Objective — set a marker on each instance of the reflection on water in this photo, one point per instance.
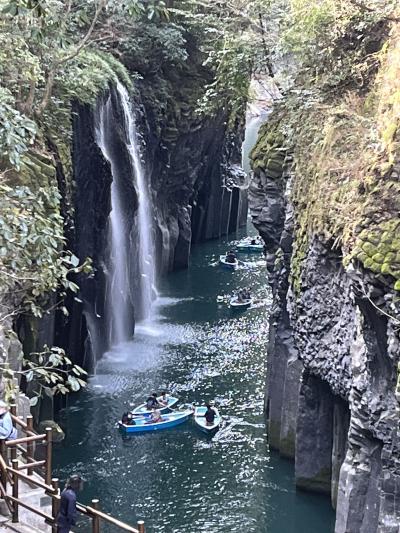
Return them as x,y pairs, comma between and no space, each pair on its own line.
181,481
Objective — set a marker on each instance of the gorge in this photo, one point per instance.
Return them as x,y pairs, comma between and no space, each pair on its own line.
123,177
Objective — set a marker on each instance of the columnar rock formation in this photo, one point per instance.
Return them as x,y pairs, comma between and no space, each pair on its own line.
198,192
333,353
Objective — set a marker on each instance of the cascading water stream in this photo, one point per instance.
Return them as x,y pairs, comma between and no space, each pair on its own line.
120,293
146,245
120,321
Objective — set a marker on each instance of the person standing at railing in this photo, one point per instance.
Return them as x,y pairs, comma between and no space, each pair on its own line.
66,517
7,430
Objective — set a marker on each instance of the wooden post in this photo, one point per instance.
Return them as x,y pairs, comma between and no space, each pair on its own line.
55,504
3,453
140,526
15,517
48,456
29,445
3,450
13,453
13,409
95,519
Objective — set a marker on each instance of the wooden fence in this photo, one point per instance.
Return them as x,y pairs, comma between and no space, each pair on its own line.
39,474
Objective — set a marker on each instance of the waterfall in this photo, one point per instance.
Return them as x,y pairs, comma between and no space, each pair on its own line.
146,245
119,319
124,290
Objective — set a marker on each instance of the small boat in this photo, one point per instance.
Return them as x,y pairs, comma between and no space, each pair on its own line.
142,409
169,420
247,247
226,264
200,420
237,304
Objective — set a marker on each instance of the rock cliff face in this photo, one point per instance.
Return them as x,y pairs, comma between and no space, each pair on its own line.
332,360
332,370
197,192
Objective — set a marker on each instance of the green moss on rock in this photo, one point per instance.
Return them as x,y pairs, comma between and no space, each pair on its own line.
383,255
378,258
269,153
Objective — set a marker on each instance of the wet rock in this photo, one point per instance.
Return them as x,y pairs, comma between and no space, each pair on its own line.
57,434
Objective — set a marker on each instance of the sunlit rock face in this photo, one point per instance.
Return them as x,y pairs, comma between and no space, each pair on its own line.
332,360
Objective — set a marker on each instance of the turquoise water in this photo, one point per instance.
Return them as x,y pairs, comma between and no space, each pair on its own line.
181,481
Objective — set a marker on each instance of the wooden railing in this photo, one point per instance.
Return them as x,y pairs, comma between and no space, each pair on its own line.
11,475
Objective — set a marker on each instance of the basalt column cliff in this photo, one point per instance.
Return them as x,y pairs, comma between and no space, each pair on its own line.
325,198
191,168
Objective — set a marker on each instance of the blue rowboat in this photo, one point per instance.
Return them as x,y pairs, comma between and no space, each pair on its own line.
169,420
226,264
142,409
200,420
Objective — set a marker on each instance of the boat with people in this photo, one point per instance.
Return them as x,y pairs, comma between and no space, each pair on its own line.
239,304
140,424
201,422
227,261
144,410
250,245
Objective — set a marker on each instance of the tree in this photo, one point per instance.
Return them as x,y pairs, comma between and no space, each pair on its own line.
51,371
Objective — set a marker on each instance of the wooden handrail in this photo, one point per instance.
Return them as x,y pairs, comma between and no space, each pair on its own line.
14,473
23,440
34,464
19,422
31,479
107,518
47,517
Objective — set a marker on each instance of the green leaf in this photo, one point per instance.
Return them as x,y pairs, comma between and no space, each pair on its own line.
33,401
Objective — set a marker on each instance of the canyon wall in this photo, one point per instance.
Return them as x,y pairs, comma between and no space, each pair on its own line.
334,348
197,190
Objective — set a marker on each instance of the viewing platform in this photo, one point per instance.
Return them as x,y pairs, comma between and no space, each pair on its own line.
30,496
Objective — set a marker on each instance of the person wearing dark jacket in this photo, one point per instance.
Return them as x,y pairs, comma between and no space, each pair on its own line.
152,402
210,415
66,517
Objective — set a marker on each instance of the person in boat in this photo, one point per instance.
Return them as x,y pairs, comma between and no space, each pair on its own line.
66,517
164,399
128,419
240,296
7,430
253,242
155,417
230,257
210,415
152,402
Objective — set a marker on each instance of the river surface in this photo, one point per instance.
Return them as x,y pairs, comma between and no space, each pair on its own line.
179,480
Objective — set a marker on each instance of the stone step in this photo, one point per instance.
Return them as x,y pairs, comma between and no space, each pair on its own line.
18,528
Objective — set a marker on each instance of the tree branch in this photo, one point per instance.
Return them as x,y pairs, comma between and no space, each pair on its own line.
53,70
367,9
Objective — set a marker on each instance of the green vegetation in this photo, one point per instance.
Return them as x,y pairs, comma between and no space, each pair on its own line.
340,119
51,372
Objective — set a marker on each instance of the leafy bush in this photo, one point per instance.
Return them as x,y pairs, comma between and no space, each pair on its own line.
17,132
32,261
